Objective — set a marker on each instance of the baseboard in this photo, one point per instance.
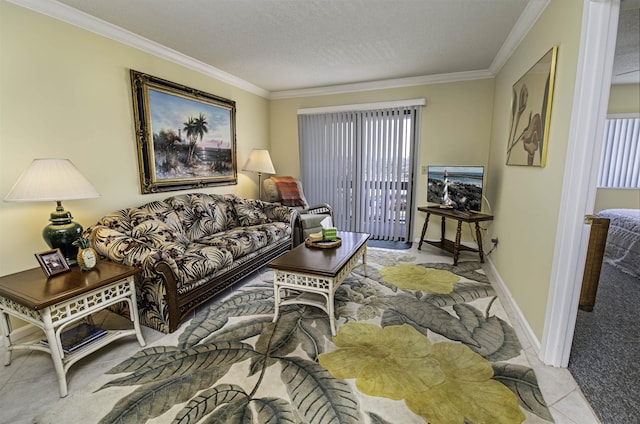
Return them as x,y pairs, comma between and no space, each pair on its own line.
20,332
505,295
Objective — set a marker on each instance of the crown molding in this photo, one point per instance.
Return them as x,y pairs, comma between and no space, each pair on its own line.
72,16
381,85
523,25
64,13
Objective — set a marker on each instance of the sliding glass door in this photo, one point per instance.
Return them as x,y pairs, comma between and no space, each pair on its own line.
362,164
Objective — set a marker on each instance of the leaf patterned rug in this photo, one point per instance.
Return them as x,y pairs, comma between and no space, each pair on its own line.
417,342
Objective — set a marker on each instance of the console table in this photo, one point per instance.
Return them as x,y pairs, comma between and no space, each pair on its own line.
58,302
453,246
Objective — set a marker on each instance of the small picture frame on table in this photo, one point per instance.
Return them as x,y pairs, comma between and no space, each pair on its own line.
52,262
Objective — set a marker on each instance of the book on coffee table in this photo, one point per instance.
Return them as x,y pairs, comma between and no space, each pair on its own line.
78,336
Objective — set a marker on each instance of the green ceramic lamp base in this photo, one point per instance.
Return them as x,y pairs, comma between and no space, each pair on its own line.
62,232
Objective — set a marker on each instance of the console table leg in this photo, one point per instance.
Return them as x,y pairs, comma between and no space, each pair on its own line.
479,238
424,230
456,245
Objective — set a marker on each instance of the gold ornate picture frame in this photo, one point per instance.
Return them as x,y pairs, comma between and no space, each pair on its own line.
186,138
531,112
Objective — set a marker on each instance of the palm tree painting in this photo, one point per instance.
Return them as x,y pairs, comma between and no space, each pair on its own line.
186,138
530,113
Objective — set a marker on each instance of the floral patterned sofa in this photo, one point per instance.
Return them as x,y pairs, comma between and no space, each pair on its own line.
190,248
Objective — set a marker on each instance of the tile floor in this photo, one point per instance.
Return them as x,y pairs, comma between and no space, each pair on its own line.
29,386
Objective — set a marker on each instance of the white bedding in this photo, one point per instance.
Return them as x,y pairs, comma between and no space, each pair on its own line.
623,241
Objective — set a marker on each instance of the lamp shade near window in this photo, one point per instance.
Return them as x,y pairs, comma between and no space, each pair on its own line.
55,180
259,161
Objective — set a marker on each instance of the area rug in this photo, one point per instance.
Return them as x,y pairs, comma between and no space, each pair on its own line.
417,342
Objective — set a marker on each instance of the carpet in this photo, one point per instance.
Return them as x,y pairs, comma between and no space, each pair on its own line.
418,341
606,347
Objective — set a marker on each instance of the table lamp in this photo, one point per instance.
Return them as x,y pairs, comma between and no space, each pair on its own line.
259,161
55,180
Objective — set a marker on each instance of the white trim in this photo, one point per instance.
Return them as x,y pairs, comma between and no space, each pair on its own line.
508,301
72,16
525,22
623,116
363,106
22,332
379,85
591,94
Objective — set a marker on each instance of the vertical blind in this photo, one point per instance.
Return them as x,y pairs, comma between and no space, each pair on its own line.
361,162
620,159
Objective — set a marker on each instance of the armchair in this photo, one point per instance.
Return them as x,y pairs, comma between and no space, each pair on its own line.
288,191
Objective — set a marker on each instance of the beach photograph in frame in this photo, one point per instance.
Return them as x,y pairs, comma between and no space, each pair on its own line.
531,112
186,138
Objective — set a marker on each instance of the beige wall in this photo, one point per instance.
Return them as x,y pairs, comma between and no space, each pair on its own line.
622,99
66,93
456,126
526,200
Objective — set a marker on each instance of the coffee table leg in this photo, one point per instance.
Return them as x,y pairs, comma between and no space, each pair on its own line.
276,295
5,325
364,260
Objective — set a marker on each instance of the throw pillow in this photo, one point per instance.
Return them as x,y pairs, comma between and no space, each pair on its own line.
289,191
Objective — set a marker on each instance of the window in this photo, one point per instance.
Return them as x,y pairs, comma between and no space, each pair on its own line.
620,160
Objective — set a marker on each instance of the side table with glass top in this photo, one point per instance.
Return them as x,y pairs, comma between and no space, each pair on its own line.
56,303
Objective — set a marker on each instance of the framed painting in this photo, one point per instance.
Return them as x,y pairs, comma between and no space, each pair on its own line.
186,138
531,112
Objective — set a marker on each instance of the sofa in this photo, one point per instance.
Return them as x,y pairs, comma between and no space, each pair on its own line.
190,248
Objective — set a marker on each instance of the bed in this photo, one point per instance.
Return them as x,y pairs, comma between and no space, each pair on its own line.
623,240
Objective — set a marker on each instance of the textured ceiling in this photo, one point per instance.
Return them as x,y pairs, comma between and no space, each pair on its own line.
626,67
294,44
281,45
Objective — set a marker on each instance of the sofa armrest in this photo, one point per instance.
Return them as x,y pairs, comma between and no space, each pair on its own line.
322,208
277,212
119,247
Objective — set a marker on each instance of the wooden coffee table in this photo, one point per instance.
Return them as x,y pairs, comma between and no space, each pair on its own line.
312,275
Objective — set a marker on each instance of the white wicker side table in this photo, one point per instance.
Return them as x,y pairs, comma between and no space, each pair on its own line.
58,302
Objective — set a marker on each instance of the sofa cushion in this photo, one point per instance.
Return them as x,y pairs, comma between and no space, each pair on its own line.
125,220
157,234
199,263
250,212
201,214
241,241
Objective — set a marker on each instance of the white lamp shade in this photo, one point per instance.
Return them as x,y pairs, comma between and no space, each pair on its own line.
51,180
259,161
